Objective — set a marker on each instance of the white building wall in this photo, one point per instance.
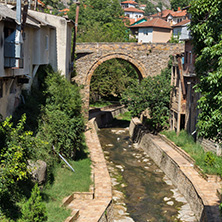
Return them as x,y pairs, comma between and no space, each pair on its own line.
62,38
1,48
134,15
145,35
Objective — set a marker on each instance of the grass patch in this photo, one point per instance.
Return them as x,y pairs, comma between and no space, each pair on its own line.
125,116
65,183
209,162
100,104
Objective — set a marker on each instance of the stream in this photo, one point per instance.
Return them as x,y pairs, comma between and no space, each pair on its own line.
141,191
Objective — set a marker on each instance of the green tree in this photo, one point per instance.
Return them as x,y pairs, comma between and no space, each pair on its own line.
110,79
206,31
34,210
16,147
100,21
62,123
150,9
152,93
179,3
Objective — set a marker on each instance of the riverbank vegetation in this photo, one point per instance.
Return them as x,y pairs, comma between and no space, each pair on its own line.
209,162
50,116
151,94
110,80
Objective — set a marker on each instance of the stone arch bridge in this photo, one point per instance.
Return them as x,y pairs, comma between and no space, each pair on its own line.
147,59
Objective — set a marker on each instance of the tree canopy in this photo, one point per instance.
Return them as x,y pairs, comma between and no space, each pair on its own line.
150,9
100,21
206,30
110,79
152,93
179,3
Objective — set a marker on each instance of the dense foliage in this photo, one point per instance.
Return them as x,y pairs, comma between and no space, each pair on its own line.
110,79
62,123
179,3
152,93
16,147
206,31
34,209
150,9
57,121
100,21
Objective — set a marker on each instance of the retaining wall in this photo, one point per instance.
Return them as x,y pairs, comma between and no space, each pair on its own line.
203,209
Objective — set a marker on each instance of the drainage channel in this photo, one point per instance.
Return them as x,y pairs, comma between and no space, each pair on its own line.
141,191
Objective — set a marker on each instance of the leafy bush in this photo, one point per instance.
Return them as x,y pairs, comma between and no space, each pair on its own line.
62,124
209,162
16,147
152,93
34,209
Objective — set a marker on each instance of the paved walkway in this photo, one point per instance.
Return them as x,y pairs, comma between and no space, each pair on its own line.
92,209
206,190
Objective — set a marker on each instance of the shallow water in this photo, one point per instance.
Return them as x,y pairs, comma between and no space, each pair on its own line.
141,190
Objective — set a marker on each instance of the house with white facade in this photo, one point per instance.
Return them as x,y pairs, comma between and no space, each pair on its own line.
45,39
177,28
129,4
133,13
173,17
155,30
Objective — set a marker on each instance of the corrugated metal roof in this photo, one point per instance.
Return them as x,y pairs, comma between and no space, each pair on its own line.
7,13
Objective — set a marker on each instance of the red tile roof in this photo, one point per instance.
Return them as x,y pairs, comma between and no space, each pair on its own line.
156,22
65,10
166,12
129,2
181,23
163,14
179,13
131,9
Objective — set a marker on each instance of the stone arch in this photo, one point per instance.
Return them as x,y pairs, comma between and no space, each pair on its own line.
139,67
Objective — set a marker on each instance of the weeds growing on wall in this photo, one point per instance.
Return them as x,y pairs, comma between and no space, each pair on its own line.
209,162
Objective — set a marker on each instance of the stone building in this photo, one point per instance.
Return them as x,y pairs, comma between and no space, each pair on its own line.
184,110
45,39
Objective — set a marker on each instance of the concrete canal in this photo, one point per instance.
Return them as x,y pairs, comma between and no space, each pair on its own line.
141,191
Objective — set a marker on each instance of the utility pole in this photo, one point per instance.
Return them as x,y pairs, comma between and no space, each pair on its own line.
75,31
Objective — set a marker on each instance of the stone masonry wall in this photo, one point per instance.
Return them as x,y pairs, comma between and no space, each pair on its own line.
147,59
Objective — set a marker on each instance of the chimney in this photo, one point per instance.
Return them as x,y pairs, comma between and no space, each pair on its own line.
179,9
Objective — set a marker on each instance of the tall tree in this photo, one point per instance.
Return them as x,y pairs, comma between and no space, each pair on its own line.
100,21
206,31
178,3
150,9
110,79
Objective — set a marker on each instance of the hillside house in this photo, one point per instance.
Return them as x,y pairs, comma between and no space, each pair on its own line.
177,28
152,31
46,40
133,13
129,4
173,17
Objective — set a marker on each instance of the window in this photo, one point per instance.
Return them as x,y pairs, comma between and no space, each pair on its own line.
186,57
1,88
46,42
190,57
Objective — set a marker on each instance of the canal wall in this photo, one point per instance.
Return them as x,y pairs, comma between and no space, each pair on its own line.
105,115
200,194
